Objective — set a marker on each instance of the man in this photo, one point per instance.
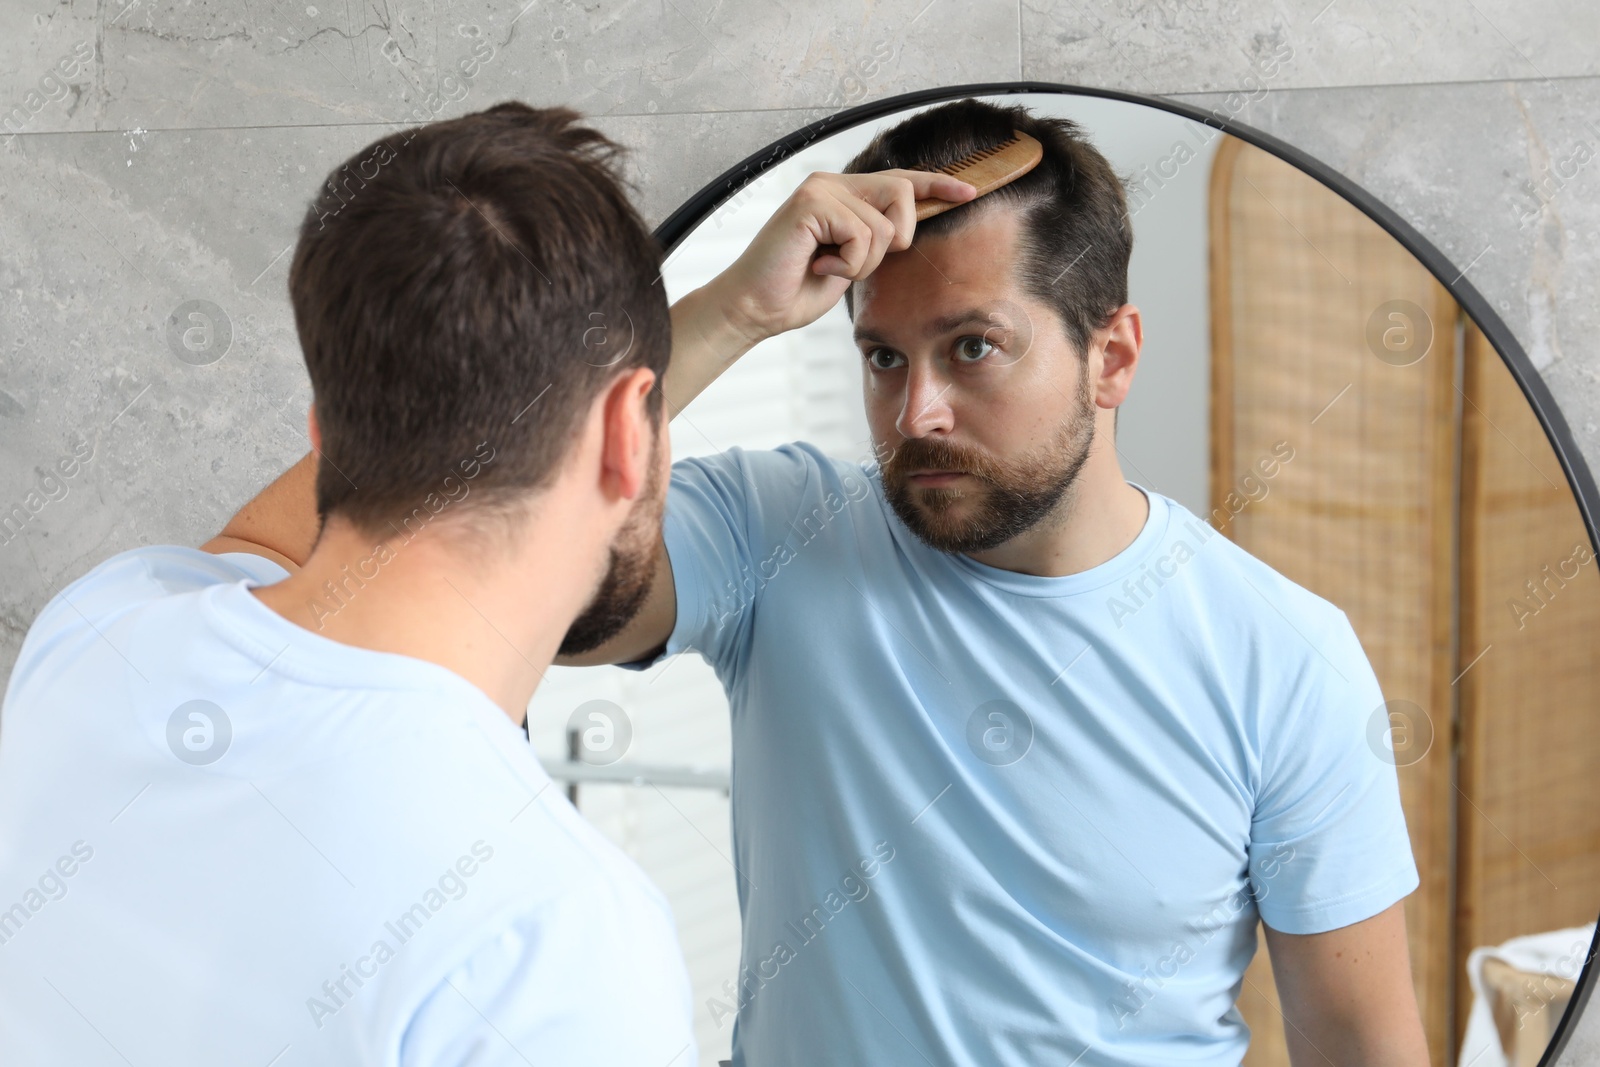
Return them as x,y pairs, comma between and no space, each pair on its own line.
983,814
249,816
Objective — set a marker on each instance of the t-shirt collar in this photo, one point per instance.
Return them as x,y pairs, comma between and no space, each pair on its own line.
1112,570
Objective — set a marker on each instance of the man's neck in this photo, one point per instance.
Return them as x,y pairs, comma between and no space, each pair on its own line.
1098,517
498,627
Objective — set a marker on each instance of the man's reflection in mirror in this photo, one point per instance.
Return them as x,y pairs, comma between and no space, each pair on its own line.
1022,750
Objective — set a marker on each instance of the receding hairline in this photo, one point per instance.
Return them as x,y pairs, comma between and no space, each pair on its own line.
961,218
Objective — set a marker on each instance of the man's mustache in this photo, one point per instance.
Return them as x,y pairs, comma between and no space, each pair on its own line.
928,454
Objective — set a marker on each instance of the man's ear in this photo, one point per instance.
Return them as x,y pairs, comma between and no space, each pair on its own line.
1124,337
629,434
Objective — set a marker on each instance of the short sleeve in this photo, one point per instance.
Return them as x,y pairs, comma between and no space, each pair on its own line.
1329,845
561,988
727,517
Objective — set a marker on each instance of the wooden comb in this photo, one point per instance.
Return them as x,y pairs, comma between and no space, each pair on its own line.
988,169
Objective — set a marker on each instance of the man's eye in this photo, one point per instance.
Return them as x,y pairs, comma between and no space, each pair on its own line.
874,354
974,348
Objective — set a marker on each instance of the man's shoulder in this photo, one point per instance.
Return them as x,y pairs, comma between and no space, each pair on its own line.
791,459
768,489
1236,584
136,577
150,571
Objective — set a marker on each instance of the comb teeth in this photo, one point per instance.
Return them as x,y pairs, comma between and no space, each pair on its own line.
987,169
980,154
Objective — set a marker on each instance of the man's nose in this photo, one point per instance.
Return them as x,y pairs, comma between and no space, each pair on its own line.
927,402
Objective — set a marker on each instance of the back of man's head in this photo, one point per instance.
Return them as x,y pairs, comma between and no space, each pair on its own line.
1076,234
463,289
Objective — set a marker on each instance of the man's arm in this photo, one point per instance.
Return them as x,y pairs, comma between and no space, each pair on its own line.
706,340
280,523
1346,994
647,631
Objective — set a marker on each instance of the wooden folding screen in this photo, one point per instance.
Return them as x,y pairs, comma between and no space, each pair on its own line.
1528,842
1425,500
1363,514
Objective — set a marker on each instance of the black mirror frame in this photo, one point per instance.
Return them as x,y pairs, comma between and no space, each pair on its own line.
1580,480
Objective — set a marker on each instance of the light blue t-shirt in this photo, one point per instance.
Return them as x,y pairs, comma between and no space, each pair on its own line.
226,839
983,817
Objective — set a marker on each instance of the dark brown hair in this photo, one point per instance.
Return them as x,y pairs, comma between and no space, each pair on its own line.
1076,234
466,288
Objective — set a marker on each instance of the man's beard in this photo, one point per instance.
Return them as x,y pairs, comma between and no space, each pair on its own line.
628,576
1010,498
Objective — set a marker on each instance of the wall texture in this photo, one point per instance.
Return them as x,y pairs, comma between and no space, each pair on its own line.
163,152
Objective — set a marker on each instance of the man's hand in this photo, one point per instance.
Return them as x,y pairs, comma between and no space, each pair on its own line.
781,283
833,230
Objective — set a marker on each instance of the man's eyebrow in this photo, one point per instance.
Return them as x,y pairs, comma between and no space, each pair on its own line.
941,325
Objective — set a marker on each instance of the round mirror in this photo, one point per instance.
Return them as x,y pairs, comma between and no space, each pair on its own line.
1317,391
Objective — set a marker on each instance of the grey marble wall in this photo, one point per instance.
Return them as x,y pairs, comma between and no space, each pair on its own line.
157,153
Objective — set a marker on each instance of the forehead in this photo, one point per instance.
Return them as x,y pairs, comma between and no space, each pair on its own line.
971,264
933,285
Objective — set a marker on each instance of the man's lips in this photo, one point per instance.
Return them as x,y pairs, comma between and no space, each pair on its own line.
935,477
